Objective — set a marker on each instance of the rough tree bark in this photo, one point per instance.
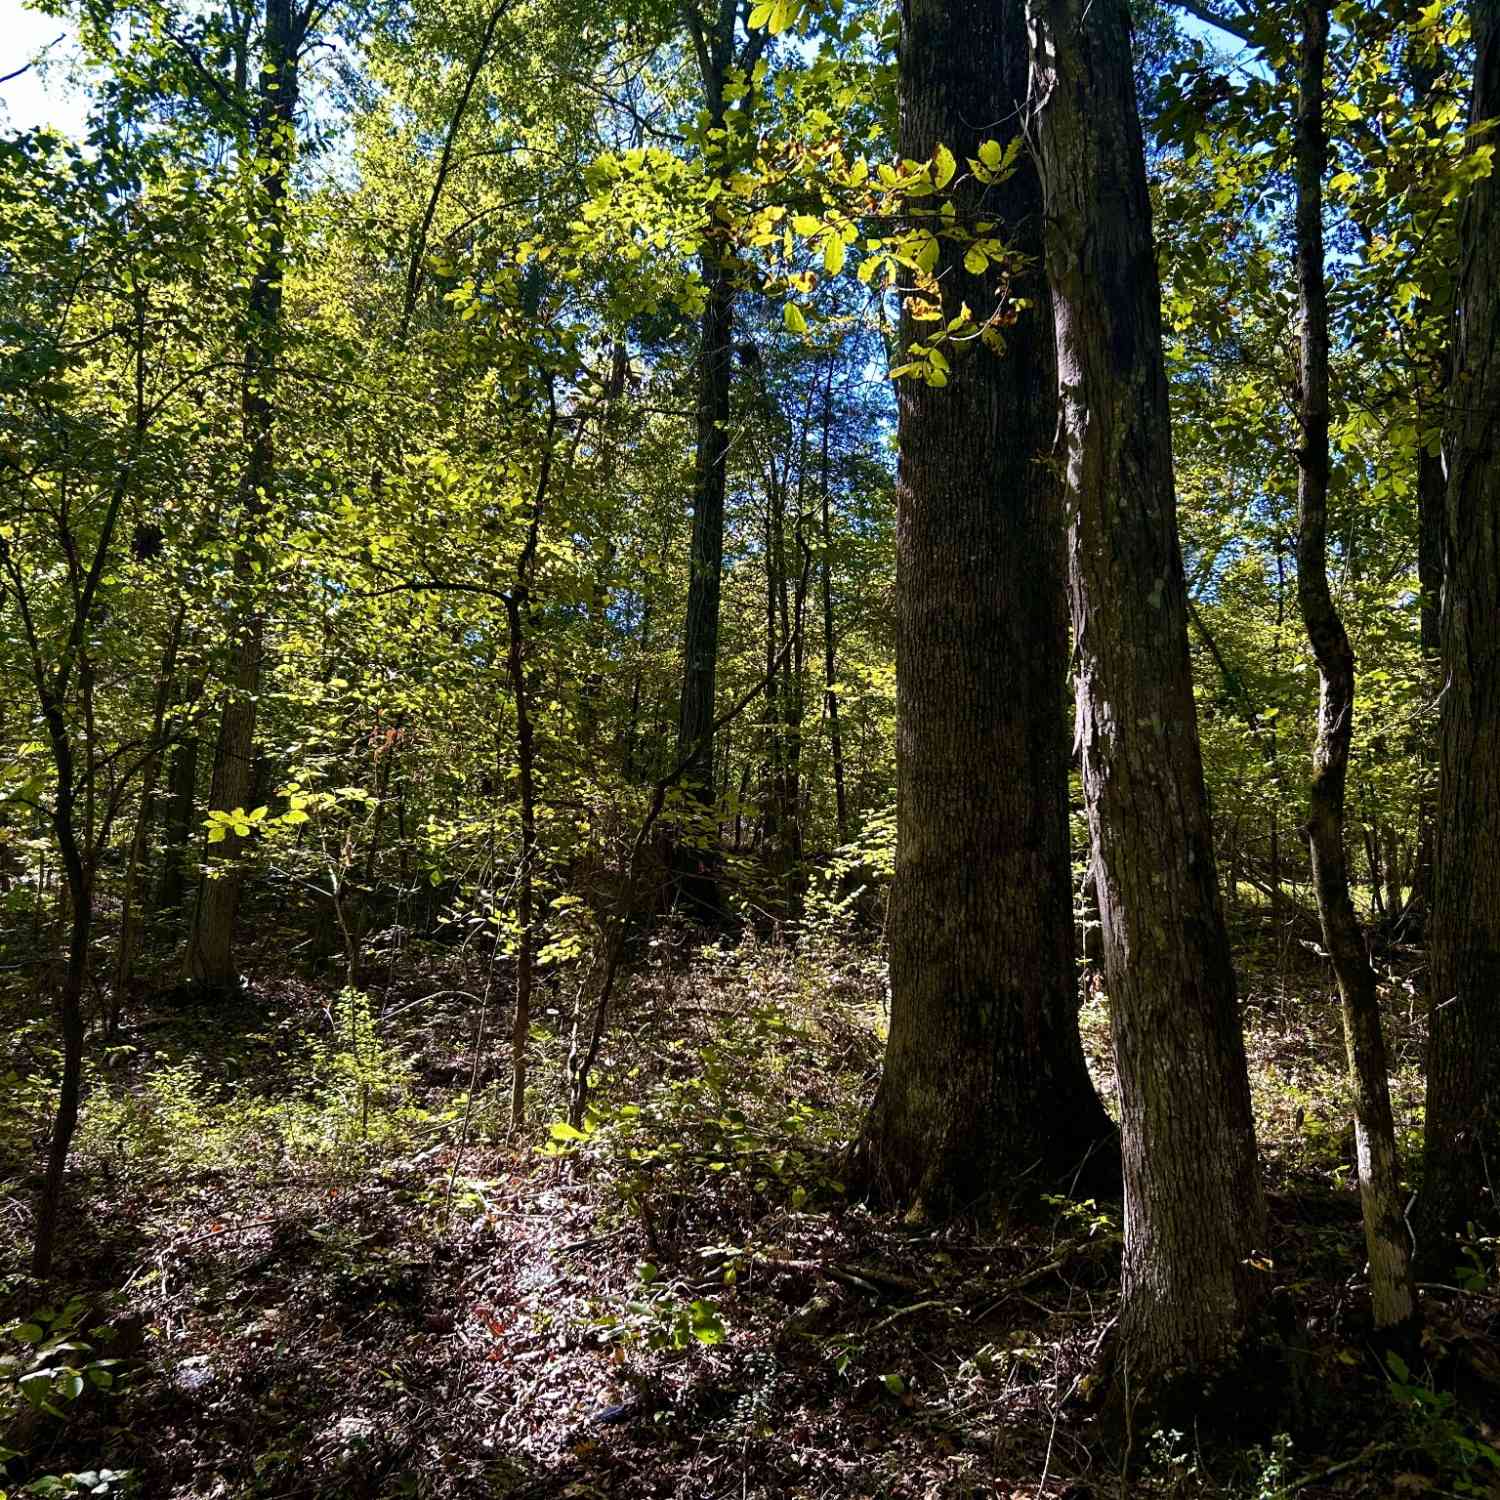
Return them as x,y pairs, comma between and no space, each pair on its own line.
985,1082
210,948
1194,1212
1462,1148
1387,1242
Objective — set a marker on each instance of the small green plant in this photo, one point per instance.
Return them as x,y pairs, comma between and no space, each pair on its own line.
1273,1469
1437,1428
45,1369
659,1319
1084,1218
1170,1458
1481,1256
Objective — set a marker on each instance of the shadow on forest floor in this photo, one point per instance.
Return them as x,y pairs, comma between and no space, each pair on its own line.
316,1292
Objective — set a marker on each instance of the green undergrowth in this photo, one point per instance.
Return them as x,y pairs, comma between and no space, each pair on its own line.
320,1210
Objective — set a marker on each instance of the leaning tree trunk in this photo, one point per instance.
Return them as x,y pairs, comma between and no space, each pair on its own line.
210,949
1387,1243
1194,1212
1462,1151
985,1082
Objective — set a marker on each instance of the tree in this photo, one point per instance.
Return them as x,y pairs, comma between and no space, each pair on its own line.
1462,1145
1386,1239
985,1081
210,946
712,26
1193,1207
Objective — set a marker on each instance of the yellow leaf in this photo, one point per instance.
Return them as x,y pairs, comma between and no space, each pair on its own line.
944,166
807,223
794,318
833,255
990,154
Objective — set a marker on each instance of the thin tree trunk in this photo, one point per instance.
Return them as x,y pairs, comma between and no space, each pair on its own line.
1372,860
182,780
1392,1292
985,1084
1462,1148
1392,861
1422,73
830,641
129,919
697,883
1194,1214
210,949
1275,744
70,1007
516,604
711,24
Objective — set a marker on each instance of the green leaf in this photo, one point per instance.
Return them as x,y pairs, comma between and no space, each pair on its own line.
806,223
706,1325
794,318
562,1131
975,260
990,154
944,166
834,253
28,1333
894,1384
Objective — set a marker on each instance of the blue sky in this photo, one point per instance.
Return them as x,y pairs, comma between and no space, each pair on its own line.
35,98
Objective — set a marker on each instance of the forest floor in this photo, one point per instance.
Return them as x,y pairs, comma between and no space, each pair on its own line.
324,1268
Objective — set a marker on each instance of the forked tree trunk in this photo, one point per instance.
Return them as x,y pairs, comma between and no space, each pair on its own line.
1462,1149
210,949
985,1083
1387,1244
1194,1213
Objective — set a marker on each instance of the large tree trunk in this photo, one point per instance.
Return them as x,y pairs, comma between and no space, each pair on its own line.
1194,1213
1462,1155
210,949
985,1081
1387,1243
